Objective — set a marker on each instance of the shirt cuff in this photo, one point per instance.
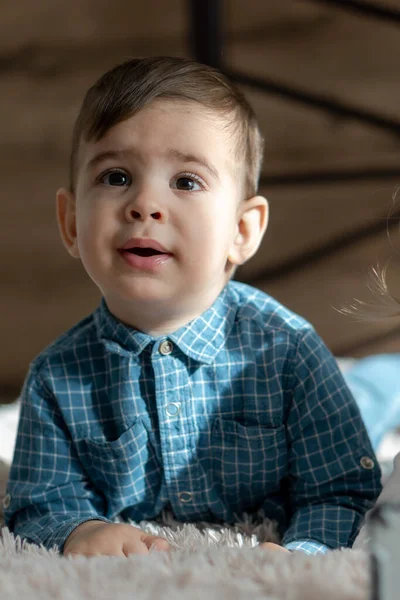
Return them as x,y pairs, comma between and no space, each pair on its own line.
307,546
59,537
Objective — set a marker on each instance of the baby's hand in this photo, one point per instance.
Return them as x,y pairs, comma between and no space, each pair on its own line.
271,546
94,538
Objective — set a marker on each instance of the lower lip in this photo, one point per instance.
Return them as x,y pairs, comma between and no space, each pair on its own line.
145,263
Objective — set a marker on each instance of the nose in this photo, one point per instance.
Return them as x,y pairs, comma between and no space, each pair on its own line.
141,216
144,207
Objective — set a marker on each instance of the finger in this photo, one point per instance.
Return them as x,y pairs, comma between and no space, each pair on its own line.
273,547
71,554
89,550
159,544
135,547
91,554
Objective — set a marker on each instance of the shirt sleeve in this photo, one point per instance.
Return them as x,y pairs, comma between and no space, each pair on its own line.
48,492
334,477
308,547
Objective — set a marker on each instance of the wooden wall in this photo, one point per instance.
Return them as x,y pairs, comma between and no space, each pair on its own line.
50,52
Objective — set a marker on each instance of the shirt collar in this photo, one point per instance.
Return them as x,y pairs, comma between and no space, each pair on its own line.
201,339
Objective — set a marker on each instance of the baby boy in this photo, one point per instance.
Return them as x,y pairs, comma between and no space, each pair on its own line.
184,390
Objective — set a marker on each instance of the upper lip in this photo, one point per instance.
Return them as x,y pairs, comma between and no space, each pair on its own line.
144,243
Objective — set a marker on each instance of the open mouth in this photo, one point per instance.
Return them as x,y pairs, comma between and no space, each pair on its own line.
144,252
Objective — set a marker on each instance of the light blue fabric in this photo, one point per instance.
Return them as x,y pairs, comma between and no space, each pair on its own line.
308,547
243,410
375,384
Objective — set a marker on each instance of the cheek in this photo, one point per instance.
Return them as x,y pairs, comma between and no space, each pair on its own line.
216,216
91,235
211,237
93,220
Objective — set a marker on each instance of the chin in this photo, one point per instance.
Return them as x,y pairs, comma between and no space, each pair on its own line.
144,292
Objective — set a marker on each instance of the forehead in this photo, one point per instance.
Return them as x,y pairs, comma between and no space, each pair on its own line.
185,126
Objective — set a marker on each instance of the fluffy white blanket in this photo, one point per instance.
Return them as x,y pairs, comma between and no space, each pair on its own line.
204,565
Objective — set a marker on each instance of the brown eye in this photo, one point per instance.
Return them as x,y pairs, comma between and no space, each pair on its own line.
185,183
188,183
116,178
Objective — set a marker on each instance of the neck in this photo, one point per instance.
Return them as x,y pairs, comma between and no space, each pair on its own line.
154,318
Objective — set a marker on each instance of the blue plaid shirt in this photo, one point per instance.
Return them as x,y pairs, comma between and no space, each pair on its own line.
243,410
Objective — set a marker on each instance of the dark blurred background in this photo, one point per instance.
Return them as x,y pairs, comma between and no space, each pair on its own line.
324,80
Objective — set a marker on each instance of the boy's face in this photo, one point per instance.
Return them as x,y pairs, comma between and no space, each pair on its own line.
157,218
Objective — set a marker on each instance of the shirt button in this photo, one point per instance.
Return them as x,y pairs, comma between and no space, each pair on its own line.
185,497
6,501
165,347
367,463
173,409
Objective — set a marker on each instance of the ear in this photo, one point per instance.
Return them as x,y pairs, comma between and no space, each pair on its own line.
66,218
251,225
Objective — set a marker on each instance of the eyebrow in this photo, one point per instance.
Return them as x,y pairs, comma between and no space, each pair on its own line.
192,158
119,154
107,154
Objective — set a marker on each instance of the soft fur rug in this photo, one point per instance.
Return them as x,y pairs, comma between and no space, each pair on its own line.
206,564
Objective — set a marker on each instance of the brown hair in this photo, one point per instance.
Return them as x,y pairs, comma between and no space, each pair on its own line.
132,85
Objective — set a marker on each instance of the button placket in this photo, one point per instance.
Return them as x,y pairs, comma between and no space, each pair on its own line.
174,429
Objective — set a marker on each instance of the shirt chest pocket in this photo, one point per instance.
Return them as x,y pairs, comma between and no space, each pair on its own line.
249,462
121,468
